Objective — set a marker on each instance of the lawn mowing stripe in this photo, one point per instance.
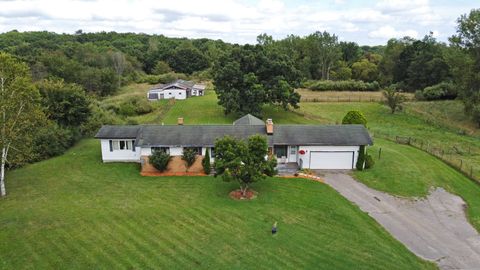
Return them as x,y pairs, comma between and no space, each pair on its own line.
148,228
143,239
171,246
102,247
131,241
109,250
45,249
183,245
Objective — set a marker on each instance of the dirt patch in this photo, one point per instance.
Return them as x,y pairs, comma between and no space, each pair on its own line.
237,195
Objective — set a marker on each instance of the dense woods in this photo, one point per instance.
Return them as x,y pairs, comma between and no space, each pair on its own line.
72,72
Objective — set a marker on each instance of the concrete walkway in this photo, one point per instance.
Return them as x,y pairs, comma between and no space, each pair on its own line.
434,228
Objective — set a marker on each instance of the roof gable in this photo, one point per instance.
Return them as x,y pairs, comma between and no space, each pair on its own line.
248,119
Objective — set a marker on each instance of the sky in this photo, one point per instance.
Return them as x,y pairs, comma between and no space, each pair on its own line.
367,22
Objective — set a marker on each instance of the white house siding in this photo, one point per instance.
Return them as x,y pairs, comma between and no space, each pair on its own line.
174,93
340,160
176,151
119,155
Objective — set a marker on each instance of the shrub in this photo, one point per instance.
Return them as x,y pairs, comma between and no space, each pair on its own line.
354,117
443,90
99,116
126,109
160,160
162,78
361,158
349,85
134,106
161,67
369,162
206,162
52,140
189,156
394,98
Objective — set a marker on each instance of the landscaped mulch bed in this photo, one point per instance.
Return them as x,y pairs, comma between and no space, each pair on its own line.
237,195
172,174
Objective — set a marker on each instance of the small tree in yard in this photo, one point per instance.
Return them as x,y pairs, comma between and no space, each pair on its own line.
160,160
354,117
243,161
206,162
393,99
189,156
361,158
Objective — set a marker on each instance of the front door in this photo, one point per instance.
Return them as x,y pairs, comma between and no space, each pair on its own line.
292,151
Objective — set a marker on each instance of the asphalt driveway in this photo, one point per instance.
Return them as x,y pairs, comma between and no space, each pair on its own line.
434,228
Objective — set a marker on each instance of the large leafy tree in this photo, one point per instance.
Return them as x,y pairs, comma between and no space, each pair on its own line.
19,113
187,59
243,161
65,103
324,52
250,76
421,64
467,71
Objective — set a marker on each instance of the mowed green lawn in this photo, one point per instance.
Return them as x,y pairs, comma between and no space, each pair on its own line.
75,212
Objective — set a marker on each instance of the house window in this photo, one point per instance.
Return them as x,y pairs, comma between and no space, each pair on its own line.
280,151
212,152
161,149
198,150
152,96
293,150
122,144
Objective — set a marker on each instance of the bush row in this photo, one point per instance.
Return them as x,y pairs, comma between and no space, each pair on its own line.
349,85
443,90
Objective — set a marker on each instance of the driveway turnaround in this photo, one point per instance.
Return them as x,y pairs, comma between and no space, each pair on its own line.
434,228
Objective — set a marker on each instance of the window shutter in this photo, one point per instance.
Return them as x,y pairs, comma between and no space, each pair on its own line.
133,145
111,145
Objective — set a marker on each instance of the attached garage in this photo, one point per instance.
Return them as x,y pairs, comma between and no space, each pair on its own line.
332,160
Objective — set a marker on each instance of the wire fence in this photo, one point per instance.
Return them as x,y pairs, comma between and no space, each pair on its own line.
343,99
455,156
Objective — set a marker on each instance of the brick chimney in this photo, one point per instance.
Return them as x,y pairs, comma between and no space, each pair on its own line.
180,121
269,126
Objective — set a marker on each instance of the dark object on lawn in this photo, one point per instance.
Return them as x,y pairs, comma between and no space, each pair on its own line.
274,228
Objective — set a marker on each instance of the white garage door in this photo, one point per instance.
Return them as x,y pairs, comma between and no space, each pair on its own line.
331,160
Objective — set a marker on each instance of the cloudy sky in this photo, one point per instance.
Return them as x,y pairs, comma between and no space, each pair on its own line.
367,22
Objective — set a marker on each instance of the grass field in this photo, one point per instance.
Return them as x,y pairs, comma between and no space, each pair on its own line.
343,96
75,212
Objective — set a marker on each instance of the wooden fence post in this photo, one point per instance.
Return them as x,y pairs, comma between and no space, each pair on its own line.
379,153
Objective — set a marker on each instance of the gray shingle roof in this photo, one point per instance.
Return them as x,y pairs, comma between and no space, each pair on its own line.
344,135
248,120
178,83
118,132
205,135
194,135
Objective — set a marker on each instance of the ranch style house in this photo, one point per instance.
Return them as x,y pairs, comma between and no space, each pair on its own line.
306,146
179,89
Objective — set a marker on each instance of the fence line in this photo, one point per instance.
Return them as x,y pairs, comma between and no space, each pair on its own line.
343,99
444,154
